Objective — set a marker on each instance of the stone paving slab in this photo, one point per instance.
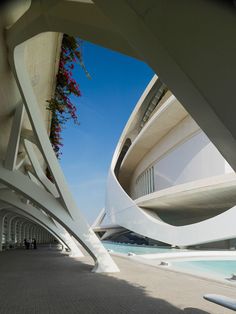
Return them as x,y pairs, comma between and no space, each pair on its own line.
47,282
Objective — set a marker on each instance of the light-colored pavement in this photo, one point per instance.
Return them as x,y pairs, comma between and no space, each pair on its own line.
47,282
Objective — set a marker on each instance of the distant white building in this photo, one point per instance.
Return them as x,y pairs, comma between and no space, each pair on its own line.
167,181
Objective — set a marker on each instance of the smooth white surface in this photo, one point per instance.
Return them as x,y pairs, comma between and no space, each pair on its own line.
213,194
221,300
183,161
205,87
58,201
185,154
12,199
192,160
196,63
124,212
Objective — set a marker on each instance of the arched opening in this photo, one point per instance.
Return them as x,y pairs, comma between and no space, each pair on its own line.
123,152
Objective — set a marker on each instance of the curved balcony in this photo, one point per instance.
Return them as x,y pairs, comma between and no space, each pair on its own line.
165,119
210,197
126,213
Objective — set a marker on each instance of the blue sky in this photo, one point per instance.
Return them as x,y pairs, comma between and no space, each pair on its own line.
105,105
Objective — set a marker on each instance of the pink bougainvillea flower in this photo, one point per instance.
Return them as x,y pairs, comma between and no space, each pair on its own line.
60,105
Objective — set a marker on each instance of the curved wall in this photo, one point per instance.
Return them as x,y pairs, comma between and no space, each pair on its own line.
123,211
182,155
41,58
185,154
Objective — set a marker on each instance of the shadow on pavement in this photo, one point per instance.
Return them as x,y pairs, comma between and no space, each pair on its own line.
44,281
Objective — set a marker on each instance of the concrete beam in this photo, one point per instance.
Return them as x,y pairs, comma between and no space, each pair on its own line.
13,144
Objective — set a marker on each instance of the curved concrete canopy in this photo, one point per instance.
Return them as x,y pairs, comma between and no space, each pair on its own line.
124,212
76,18
35,215
168,116
201,86
47,16
213,194
39,224
19,226
193,54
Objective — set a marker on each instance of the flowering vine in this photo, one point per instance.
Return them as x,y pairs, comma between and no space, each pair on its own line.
60,105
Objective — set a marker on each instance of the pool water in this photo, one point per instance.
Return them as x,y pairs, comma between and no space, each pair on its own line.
216,269
137,249
221,269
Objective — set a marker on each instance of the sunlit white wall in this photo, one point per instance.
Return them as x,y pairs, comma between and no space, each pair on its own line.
185,154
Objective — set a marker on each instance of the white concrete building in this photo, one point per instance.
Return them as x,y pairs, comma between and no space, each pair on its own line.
192,47
167,181
196,61
29,201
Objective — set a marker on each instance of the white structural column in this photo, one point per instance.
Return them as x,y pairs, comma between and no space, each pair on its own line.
27,233
11,225
20,232
99,218
9,228
62,209
1,229
197,64
4,214
12,149
49,224
27,222
14,223
48,201
24,230
67,238
13,213
49,186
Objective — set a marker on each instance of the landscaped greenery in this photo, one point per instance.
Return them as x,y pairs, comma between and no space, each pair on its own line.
60,105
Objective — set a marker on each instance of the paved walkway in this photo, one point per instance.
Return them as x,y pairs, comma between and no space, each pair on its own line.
45,281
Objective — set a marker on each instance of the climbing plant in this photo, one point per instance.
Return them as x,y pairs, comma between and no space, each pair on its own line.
60,105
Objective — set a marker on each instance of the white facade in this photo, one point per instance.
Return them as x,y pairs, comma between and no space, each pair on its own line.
30,52
188,156
197,65
167,181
